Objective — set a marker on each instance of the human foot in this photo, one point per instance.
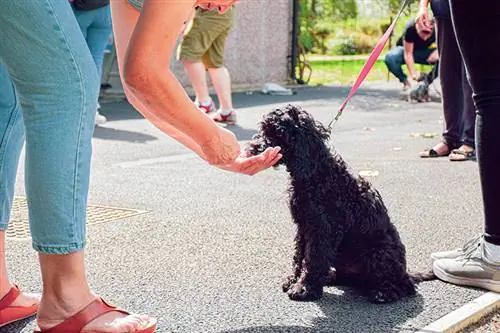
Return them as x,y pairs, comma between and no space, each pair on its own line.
97,317
439,150
15,305
23,299
464,153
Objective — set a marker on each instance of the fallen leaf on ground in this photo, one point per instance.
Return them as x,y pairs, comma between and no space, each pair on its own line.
424,135
369,173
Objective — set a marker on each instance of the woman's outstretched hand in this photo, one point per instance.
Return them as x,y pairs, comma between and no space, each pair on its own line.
250,165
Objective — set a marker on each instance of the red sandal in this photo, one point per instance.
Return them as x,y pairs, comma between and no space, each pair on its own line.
9,313
95,309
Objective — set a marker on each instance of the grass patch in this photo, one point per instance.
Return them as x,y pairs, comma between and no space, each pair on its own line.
331,70
326,71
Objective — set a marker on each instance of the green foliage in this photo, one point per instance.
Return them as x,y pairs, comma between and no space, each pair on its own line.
333,26
350,44
317,19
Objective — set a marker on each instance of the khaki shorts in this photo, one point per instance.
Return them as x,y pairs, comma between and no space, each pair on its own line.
204,41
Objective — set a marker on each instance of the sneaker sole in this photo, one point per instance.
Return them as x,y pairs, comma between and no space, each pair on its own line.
438,258
462,281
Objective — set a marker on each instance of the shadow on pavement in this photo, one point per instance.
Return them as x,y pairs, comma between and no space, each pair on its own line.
243,100
108,133
122,110
349,313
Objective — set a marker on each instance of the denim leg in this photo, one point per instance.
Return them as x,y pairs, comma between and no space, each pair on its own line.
54,75
11,144
451,83
96,28
469,112
394,61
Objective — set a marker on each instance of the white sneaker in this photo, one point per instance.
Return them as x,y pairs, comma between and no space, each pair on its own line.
452,254
470,269
99,118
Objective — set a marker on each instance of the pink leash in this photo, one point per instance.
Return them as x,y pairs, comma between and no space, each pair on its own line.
369,63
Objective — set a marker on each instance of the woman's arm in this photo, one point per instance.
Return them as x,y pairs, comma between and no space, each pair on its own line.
144,46
145,43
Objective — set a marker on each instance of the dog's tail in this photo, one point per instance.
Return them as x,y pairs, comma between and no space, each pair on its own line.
418,277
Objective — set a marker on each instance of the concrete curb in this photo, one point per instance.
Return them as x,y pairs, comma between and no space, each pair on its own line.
465,316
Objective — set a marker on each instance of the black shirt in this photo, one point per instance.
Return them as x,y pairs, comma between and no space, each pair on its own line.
410,35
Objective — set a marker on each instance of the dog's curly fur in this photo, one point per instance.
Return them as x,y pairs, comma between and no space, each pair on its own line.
344,233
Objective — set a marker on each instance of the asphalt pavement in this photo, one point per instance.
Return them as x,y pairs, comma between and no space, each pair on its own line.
212,248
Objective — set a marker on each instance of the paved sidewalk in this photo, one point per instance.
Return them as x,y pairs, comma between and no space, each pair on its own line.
210,252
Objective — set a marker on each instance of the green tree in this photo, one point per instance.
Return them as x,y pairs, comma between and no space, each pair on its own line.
317,18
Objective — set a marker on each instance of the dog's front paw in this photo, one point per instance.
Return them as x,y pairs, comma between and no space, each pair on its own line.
289,281
300,292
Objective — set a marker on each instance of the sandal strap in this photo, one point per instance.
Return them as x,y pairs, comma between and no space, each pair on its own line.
10,297
463,153
77,322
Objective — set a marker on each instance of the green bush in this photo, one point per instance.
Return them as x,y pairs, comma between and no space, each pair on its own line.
350,44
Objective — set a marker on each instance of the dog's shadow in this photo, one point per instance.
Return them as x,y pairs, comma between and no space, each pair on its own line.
351,313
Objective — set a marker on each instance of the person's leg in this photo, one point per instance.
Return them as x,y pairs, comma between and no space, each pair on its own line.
196,73
466,151
481,61
11,143
96,28
451,61
480,265
196,42
451,87
394,61
214,61
54,74
221,80
98,34
469,113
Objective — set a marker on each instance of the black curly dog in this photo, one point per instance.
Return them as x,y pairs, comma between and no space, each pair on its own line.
344,233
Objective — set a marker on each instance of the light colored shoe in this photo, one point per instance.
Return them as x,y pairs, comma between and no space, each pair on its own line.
472,243
99,118
470,269
229,119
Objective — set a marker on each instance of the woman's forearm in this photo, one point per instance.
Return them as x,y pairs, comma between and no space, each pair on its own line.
166,104
162,124
410,63
148,78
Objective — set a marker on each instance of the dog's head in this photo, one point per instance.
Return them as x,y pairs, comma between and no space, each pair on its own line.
294,130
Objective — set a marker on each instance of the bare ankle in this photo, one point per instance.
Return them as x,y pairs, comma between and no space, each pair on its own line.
56,307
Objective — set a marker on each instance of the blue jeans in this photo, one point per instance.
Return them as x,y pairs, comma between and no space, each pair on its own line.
395,60
96,28
51,82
